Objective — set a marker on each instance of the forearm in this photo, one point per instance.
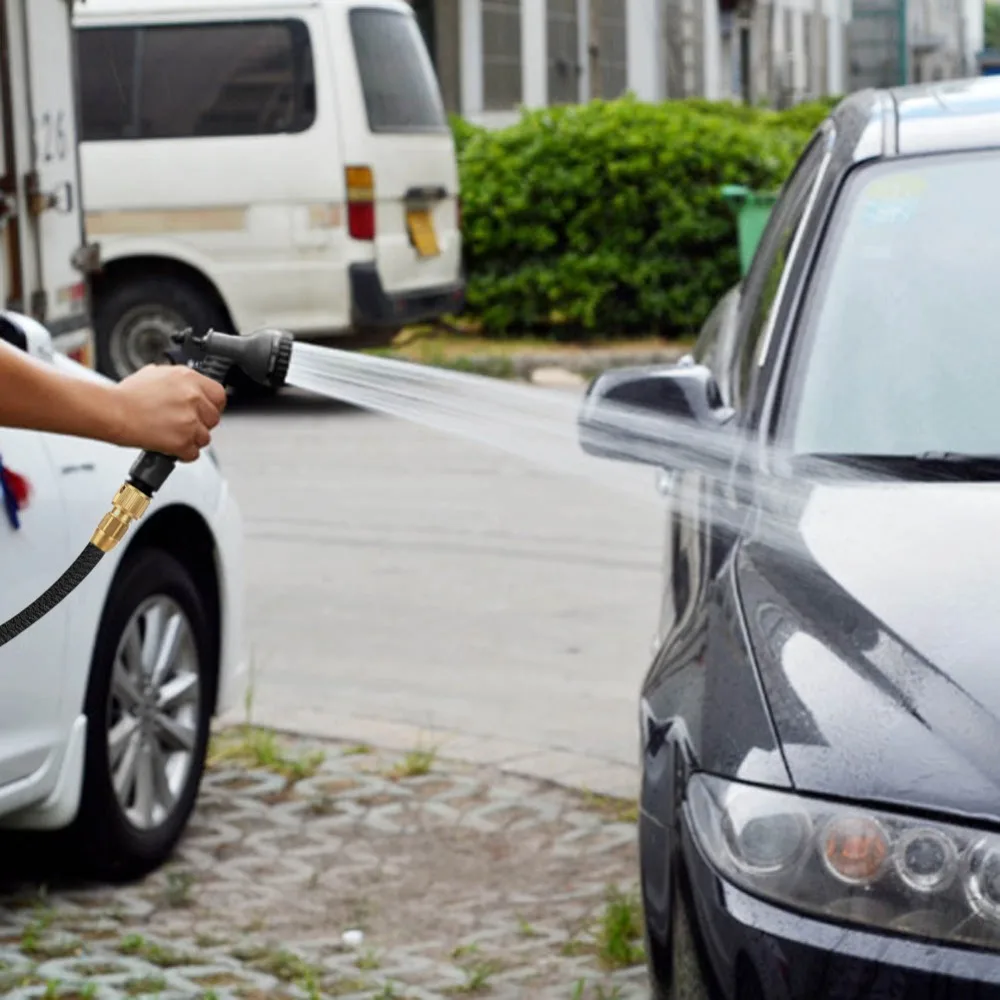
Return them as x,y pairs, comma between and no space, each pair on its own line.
35,396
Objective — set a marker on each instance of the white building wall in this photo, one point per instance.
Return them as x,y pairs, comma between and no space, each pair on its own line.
534,53
644,44
471,61
647,54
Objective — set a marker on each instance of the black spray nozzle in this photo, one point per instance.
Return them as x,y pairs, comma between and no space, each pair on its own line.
262,356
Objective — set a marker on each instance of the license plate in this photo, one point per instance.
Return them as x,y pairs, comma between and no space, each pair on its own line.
422,234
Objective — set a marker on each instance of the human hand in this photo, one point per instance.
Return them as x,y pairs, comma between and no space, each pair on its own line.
168,409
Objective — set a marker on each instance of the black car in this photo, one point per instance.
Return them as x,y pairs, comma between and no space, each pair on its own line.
820,726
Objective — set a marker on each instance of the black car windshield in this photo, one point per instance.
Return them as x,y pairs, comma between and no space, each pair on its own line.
901,342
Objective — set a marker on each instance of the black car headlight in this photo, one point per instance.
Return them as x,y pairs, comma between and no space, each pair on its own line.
850,863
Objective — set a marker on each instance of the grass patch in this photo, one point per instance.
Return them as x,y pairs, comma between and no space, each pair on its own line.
261,749
619,931
427,344
415,764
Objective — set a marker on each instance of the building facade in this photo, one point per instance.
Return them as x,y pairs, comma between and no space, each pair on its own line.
495,57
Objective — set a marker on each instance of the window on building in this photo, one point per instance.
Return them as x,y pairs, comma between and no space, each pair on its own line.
613,49
203,80
502,88
564,52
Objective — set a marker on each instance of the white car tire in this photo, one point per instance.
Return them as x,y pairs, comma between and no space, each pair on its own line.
149,705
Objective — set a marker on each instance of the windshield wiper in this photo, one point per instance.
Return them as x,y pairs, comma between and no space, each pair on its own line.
928,465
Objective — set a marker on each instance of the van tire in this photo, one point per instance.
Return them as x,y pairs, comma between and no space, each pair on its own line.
134,316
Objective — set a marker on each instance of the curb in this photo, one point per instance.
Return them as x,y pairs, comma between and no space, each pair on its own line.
568,769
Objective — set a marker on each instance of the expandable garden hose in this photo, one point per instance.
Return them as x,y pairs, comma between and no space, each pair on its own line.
262,357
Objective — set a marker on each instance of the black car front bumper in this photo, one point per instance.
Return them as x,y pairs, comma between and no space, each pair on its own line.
728,945
373,307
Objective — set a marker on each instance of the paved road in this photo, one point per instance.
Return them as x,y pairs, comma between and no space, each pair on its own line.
404,584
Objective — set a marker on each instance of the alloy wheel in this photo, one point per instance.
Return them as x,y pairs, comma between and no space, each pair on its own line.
154,701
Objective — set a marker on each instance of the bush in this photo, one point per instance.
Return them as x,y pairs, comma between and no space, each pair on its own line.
606,218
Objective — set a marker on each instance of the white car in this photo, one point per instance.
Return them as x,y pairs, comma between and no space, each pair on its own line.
106,703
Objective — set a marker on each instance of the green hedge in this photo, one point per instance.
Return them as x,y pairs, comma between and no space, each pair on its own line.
606,219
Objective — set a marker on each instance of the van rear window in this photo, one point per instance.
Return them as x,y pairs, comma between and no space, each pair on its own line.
397,76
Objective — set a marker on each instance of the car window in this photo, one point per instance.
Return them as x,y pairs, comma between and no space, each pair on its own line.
763,281
714,345
898,351
182,81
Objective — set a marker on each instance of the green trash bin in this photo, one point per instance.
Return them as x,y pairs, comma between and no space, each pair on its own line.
753,209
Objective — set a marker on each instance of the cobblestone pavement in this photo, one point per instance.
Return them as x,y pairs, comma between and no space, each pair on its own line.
463,881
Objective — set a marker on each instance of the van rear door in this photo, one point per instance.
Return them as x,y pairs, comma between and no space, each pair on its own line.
54,221
398,141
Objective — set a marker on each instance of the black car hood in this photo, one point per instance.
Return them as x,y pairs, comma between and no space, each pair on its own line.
875,623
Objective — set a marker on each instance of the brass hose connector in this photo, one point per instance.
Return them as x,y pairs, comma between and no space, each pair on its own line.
128,506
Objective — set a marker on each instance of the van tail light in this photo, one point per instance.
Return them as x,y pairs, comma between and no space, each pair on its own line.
360,203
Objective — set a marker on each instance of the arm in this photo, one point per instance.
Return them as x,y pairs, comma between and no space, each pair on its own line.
168,409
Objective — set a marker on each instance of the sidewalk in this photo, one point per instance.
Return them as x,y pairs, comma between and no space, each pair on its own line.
319,870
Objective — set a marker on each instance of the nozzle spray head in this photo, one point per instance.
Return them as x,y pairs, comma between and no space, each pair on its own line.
262,356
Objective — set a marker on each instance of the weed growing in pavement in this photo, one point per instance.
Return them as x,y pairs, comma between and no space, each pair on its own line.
55,990
600,992
463,950
368,961
611,807
477,979
33,945
260,748
165,958
525,929
415,764
145,986
609,993
619,931
289,968
359,750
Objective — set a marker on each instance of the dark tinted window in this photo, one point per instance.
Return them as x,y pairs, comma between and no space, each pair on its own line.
397,76
107,82
199,80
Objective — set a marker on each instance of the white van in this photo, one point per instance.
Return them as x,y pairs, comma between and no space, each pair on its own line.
253,163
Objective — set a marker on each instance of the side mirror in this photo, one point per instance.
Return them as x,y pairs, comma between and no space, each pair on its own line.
669,417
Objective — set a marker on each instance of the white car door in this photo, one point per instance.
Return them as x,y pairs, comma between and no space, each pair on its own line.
32,557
